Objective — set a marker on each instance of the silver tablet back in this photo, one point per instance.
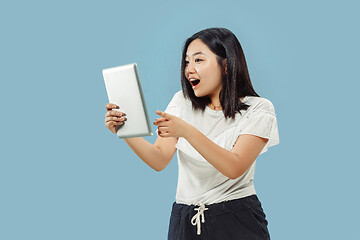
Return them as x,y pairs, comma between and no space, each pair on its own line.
124,89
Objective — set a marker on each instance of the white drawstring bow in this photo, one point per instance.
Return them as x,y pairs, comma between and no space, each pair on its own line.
196,218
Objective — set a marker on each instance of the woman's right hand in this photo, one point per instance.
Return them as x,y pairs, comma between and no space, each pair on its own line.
113,117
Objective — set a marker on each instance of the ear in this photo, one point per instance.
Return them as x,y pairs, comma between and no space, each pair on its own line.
225,63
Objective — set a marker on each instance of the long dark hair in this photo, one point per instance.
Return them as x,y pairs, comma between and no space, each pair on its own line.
235,84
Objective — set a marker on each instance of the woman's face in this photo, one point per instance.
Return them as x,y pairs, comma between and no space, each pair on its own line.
202,65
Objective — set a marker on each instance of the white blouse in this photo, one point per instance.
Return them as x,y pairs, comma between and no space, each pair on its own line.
198,181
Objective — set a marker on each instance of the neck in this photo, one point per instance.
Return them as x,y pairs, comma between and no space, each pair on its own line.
215,105
215,100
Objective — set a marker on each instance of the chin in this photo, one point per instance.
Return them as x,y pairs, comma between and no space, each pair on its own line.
198,94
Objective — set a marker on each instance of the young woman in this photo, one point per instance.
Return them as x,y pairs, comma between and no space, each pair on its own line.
219,125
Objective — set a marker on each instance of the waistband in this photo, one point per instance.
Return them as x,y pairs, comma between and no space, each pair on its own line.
198,210
214,209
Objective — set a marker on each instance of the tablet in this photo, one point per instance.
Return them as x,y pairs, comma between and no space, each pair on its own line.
124,89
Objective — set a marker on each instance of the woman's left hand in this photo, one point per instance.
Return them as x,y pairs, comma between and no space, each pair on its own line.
171,126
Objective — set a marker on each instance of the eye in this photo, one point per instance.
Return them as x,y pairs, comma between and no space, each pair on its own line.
198,60
186,62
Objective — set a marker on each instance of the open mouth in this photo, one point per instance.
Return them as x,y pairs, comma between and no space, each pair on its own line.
194,82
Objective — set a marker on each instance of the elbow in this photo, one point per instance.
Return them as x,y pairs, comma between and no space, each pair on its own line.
237,170
159,168
233,176
236,175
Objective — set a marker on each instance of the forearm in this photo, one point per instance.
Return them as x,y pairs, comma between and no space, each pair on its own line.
223,160
147,152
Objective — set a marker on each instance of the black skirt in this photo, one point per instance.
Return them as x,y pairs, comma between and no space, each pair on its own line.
241,218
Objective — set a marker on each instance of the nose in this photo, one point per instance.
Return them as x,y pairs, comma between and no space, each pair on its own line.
189,69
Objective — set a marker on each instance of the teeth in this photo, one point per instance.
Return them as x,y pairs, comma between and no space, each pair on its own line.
193,79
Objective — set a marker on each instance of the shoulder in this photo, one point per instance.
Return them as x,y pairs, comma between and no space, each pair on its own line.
178,97
261,103
178,100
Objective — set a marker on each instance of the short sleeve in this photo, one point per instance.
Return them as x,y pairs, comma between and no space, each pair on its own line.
175,105
261,121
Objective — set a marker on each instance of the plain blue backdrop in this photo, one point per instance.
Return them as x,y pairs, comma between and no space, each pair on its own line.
64,175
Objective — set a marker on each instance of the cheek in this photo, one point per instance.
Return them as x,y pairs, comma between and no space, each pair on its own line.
211,76
204,71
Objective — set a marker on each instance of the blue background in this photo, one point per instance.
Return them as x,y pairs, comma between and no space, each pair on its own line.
64,175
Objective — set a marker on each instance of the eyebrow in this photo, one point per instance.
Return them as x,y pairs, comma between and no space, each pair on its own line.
197,53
